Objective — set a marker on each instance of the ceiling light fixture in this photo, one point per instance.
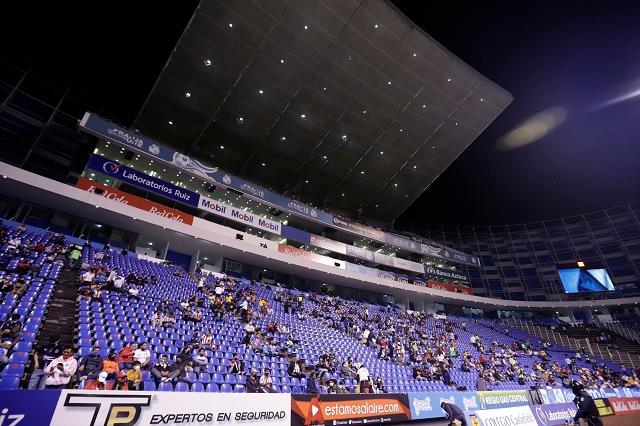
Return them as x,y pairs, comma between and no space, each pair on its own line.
364,111
375,26
207,62
344,137
282,61
362,172
415,54
171,122
263,164
188,95
306,181
381,152
306,27
221,146
449,79
283,138
389,83
303,116
260,91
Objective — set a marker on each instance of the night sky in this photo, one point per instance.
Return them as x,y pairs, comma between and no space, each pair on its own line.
573,54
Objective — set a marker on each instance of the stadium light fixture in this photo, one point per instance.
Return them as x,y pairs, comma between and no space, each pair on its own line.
187,95
283,138
170,122
381,152
376,26
580,264
221,146
263,164
306,181
207,62
306,27
449,79
362,172
230,25
364,111
415,54
261,91
303,116
389,83
282,61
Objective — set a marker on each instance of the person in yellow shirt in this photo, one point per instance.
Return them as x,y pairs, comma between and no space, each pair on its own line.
134,377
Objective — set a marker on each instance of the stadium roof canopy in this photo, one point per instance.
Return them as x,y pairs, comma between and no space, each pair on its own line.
343,104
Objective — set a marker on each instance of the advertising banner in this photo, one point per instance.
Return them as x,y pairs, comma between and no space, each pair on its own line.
134,201
238,215
138,142
623,406
326,243
405,264
360,253
91,408
426,405
556,396
500,399
554,414
604,407
27,407
349,409
512,416
141,180
450,287
312,257
435,272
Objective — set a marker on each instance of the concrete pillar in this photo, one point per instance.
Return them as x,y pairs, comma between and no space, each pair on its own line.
164,250
195,258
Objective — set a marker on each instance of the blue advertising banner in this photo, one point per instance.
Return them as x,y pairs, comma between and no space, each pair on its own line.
426,405
502,399
554,414
141,180
556,395
135,141
28,407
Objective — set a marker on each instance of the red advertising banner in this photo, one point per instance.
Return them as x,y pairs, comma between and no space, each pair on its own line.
623,406
349,409
449,287
303,254
134,201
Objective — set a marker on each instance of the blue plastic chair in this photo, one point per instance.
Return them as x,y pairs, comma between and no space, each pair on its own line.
9,383
226,388
181,387
165,387
212,387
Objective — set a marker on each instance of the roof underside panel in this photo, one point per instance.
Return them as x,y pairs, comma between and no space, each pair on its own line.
344,104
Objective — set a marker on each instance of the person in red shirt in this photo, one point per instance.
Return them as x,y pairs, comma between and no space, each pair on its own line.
125,357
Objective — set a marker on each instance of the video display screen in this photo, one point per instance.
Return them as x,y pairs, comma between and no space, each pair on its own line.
577,280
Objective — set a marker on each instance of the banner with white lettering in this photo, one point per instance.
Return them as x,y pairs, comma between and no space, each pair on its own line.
239,215
91,408
512,416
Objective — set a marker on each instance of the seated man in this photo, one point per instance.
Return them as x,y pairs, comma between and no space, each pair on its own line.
200,362
253,382
142,355
42,356
161,370
60,370
235,365
125,357
90,366
296,369
266,381
10,329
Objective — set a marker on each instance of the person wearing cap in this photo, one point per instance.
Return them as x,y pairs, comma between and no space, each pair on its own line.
586,406
90,366
101,382
253,382
266,381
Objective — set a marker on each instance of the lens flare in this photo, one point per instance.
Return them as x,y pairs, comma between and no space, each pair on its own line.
533,128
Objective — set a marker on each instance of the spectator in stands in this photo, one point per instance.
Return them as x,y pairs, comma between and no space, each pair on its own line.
134,292
206,341
296,369
6,286
481,383
118,283
88,277
266,381
235,366
161,371
312,383
10,329
60,370
42,356
134,377
200,362
20,287
125,356
110,366
142,355
379,385
90,366
253,382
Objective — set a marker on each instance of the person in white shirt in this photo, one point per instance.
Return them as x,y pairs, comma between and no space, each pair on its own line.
266,381
87,277
362,373
60,370
118,283
219,289
142,355
134,292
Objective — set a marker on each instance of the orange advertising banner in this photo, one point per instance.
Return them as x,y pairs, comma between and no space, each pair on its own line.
133,201
449,287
